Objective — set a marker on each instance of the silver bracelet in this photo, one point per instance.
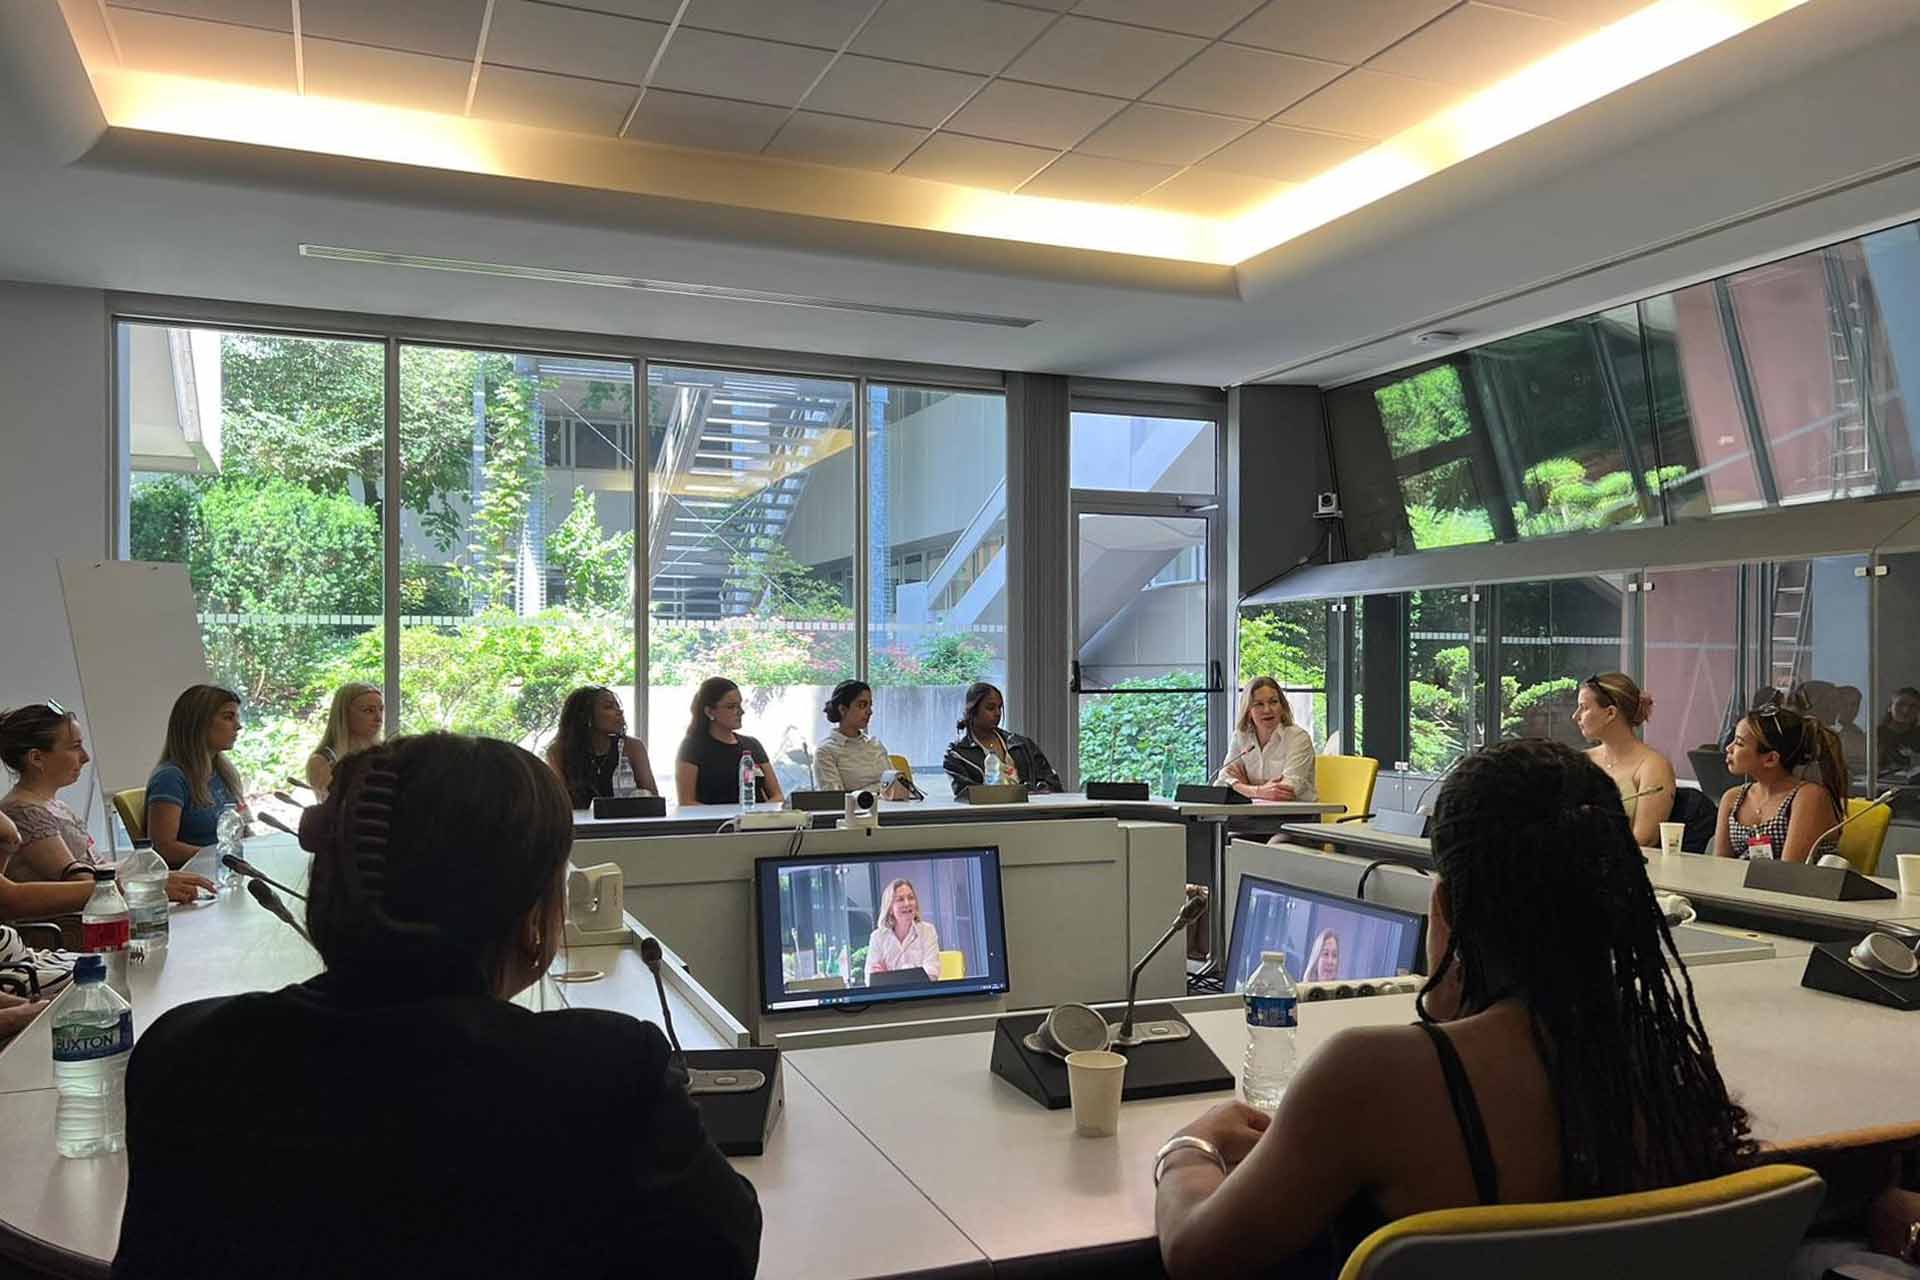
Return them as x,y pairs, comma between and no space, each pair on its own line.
1185,1142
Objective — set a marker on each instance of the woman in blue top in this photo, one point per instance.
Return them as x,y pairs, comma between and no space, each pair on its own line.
194,780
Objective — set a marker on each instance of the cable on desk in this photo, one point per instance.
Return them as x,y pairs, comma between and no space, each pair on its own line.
1360,890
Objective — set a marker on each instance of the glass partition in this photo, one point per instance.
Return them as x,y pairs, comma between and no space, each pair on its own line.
1552,635
1446,658
1290,642
1141,453
1692,666
1812,645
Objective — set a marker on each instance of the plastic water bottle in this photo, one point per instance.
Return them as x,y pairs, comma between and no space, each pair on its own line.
106,928
748,793
232,827
1272,1018
143,881
624,783
992,771
92,1040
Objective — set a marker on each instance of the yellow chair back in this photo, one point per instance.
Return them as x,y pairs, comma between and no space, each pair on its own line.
1860,842
901,767
1346,780
131,805
953,964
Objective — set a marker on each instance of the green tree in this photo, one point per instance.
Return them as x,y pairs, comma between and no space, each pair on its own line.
498,522
1278,642
1137,737
598,570
1427,409
782,587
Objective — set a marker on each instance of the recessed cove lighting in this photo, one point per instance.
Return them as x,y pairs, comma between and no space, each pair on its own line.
719,293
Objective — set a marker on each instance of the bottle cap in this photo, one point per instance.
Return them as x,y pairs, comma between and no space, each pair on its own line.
1275,957
100,873
89,968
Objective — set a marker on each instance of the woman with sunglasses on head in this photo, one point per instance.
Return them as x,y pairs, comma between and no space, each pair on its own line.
1609,709
416,1120
1775,814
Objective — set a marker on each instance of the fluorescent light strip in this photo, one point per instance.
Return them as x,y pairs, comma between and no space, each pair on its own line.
718,293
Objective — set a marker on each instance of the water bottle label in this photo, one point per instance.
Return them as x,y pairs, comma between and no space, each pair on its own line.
1271,1011
85,1041
105,935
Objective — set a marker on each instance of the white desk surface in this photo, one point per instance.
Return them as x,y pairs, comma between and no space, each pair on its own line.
1708,879
1047,804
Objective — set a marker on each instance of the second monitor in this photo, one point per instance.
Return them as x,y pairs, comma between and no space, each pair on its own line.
1325,936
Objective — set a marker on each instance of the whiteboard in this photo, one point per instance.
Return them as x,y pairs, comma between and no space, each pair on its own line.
136,640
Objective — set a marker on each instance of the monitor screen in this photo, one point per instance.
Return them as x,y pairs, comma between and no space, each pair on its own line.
863,928
1326,936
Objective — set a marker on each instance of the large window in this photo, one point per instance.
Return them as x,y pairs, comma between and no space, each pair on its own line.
1290,643
1692,665
1446,661
1553,635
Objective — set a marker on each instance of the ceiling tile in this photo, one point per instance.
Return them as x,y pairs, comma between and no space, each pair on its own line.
1286,155
1475,46
1195,17
269,15
711,124
966,35
447,28
836,140
1372,104
205,50
1237,81
893,91
1102,57
1212,193
1031,113
550,101
568,42
736,67
1161,135
1075,177
1338,30
1586,13
361,73
823,23
651,10
975,162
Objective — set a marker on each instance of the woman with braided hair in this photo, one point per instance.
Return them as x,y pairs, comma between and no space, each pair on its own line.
398,1114
1558,1055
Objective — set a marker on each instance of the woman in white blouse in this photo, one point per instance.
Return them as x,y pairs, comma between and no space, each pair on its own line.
1271,757
849,759
903,940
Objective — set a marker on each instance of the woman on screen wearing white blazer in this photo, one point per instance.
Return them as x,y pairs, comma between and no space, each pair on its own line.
903,940
1270,757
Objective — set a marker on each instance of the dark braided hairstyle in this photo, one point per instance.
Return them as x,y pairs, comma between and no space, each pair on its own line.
429,853
575,741
1549,902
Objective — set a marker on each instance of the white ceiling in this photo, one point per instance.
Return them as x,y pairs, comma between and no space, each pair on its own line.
1796,132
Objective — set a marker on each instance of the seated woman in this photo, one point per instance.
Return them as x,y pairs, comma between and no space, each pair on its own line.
194,780
1021,760
590,743
903,940
1270,757
40,743
707,770
1556,1056
849,758
1323,960
1610,708
355,721
438,893
1775,814
69,897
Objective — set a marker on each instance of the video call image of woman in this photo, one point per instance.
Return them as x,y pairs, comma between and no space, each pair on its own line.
1323,962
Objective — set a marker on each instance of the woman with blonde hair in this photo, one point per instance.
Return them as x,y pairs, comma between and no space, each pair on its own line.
1609,710
194,780
355,721
1270,757
1323,959
903,940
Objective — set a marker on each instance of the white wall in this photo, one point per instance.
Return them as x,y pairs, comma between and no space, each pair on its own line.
54,481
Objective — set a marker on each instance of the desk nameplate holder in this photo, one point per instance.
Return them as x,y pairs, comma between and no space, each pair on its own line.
1834,884
1169,1061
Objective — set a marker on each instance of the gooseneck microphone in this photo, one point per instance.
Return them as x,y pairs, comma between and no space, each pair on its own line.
1189,912
1884,798
271,901
239,865
701,1082
650,956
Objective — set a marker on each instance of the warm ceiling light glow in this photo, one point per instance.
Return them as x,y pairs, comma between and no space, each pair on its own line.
1076,224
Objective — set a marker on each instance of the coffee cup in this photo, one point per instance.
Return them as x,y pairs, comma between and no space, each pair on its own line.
1095,1078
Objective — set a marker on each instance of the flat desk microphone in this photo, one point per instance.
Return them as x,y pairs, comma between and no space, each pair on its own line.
240,866
1884,798
271,901
1190,911
699,1081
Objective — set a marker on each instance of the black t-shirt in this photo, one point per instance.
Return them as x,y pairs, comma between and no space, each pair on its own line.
719,765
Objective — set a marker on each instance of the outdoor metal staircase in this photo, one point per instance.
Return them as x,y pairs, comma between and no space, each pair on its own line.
1857,467
1790,629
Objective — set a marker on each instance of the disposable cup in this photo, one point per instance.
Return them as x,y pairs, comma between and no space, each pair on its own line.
1909,864
1671,833
1095,1078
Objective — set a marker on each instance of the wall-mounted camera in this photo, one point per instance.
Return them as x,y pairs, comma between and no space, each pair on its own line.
863,810
1326,506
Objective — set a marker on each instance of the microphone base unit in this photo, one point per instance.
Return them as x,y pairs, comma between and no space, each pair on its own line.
629,807
1834,884
1166,1066
1829,969
1158,1032
741,1095
1117,791
999,793
1193,793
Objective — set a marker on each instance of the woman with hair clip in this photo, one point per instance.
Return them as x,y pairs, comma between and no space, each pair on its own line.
1021,760
417,1122
194,780
355,722
1270,757
1775,814
1558,1053
1609,710
590,742
850,758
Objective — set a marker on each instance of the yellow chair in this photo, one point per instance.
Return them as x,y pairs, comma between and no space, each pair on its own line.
131,805
901,767
1743,1225
1860,842
1346,780
953,964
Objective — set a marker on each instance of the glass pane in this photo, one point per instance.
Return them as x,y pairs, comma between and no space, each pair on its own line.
1813,645
1883,279
1692,620
1143,601
517,565
1289,643
1553,635
258,461
751,543
1895,710
1156,738
1142,454
937,519
1698,426
1446,656
1429,431
1444,507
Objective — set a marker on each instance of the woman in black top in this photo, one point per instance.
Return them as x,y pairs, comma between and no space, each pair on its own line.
1021,759
1567,1061
591,739
707,770
398,1115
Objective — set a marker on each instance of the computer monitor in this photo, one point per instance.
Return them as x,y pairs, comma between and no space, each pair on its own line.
1359,940
824,941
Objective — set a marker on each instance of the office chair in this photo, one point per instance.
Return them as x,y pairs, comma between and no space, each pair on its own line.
953,964
1860,841
131,805
1346,780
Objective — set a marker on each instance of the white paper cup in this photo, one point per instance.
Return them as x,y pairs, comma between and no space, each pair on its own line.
1671,833
1909,864
1094,1079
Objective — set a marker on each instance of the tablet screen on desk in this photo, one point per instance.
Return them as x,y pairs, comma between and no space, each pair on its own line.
1326,936
858,929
